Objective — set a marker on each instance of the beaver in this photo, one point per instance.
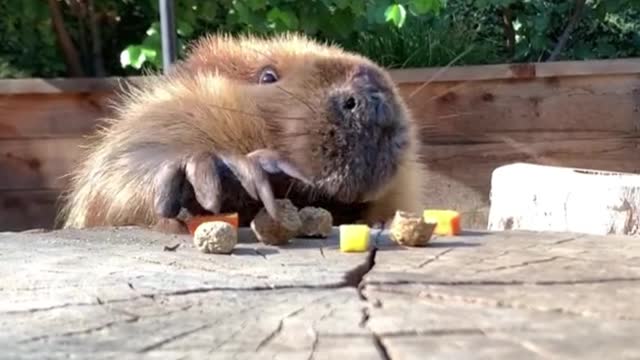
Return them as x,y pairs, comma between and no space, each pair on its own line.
243,120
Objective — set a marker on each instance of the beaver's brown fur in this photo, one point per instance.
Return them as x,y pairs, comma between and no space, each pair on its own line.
333,117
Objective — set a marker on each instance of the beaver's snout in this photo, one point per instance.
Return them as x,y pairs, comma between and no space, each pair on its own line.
365,101
367,138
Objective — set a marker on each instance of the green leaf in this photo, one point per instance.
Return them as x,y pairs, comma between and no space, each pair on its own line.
396,14
376,11
136,55
184,28
342,4
341,23
422,7
358,7
285,18
131,56
154,29
257,4
244,13
207,11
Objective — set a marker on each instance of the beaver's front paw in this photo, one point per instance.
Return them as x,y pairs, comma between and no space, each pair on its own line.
198,177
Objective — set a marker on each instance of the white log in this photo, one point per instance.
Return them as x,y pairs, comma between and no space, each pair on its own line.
550,198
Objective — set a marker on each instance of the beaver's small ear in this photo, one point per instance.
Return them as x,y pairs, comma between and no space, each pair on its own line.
267,75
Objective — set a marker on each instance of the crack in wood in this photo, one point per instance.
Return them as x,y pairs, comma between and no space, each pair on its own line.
80,332
62,306
563,241
443,332
502,283
382,349
519,265
434,258
314,344
173,338
354,277
364,319
200,290
501,304
527,345
132,319
264,342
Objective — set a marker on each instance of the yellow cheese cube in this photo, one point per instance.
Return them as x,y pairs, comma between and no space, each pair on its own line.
448,221
354,238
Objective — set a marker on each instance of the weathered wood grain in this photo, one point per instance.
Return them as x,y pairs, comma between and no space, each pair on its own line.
454,73
508,294
20,210
472,127
116,293
37,163
39,116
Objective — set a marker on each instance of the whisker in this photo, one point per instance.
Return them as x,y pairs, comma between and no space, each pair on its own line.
286,195
252,114
439,72
449,116
261,53
448,90
525,149
298,134
297,98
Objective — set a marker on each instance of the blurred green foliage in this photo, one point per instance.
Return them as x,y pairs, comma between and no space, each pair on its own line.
395,33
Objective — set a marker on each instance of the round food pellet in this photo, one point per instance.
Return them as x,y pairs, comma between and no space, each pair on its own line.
410,229
277,232
215,237
316,222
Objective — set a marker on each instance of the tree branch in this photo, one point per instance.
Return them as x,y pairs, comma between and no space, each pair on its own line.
562,41
69,51
509,31
95,41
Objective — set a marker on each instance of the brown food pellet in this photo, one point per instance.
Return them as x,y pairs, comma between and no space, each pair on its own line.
410,229
316,222
277,232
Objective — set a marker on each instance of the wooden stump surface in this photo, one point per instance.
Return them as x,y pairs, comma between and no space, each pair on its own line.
119,293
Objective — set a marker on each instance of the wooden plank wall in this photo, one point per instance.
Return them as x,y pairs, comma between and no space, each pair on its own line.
471,119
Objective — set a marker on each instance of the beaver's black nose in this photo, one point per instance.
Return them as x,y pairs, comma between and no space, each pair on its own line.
365,99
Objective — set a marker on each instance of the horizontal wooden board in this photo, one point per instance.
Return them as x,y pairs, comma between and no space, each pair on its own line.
30,209
37,163
412,75
471,119
53,115
460,174
471,109
518,71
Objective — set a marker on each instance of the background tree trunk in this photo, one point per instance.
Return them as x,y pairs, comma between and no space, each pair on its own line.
69,51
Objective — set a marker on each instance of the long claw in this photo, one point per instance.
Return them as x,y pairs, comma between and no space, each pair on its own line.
168,182
202,175
253,178
242,171
272,162
268,200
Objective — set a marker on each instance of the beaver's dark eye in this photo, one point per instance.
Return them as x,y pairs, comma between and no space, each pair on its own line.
268,76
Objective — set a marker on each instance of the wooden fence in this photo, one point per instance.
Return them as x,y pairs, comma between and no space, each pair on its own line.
472,120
